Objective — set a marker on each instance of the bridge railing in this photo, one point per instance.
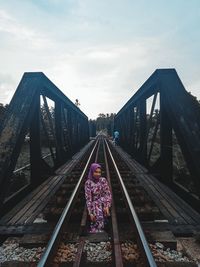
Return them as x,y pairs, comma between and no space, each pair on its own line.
62,129
148,132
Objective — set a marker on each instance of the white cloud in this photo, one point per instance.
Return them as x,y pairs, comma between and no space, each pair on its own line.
101,77
87,55
21,33
6,88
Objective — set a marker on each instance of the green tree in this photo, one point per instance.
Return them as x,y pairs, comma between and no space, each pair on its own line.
105,122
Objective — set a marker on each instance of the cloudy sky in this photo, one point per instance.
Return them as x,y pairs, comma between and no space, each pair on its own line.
99,51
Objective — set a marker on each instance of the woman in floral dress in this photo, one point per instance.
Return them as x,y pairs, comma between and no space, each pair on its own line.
98,198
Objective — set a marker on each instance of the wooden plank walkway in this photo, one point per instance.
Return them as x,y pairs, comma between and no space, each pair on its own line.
174,209
27,210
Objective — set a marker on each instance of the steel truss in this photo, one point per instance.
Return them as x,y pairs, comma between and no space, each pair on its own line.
179,112
68,131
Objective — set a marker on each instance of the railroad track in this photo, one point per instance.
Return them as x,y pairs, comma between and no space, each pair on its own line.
124,242
56,241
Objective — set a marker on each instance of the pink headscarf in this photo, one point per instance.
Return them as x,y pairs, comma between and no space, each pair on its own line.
93,167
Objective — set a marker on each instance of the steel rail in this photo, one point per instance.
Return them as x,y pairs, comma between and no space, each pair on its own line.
48,255
116,241
25,167
28,165
79,254
149,260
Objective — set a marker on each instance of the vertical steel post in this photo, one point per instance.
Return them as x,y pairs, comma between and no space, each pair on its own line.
35,145
166,167
143,129
60,155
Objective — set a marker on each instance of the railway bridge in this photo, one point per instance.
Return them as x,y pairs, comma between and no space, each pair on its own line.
153,174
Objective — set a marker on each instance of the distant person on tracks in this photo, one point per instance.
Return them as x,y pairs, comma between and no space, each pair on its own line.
116,137
98,198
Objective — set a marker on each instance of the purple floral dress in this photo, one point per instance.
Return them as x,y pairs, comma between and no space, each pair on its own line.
98,197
